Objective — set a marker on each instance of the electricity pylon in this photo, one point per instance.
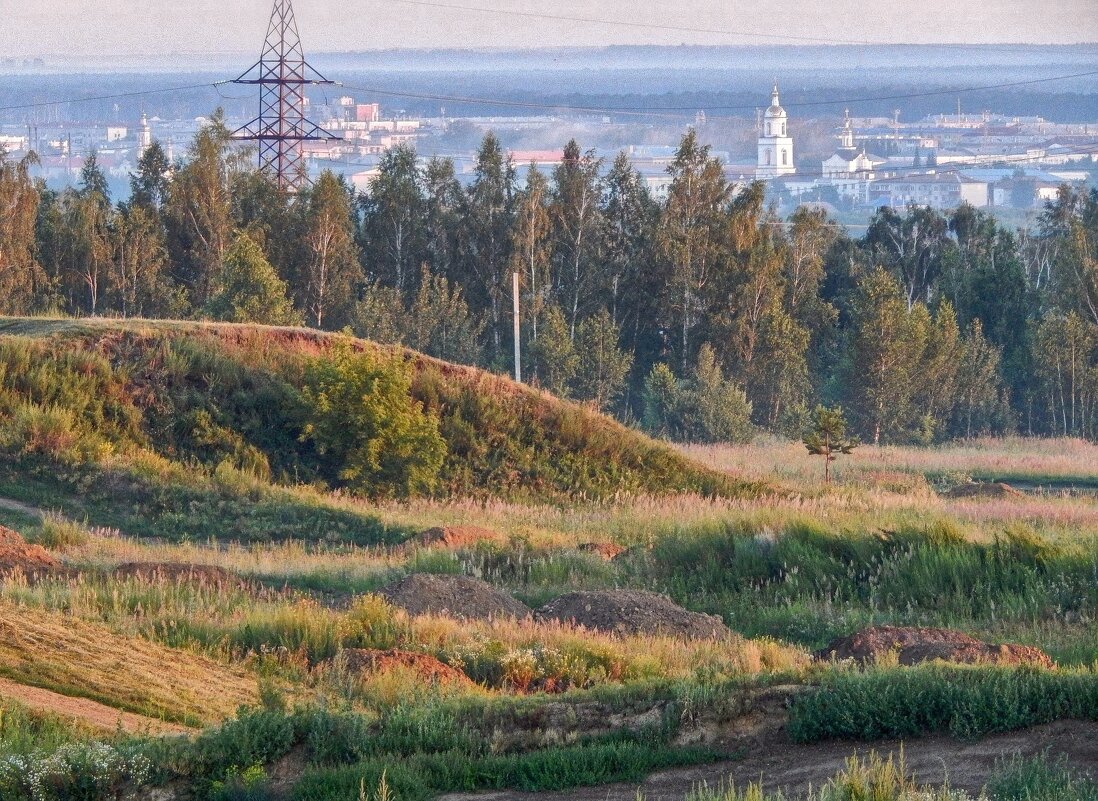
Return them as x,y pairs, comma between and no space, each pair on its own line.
282,74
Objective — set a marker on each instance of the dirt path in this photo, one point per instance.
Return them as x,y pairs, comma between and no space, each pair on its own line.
781,764
21,508
90,712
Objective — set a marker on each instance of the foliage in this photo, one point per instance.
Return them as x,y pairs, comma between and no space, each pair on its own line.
249,289
827,437
374,437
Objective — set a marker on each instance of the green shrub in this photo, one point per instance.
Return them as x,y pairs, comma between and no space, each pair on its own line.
375,438
250,784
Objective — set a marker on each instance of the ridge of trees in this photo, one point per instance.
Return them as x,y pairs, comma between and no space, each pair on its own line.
703,316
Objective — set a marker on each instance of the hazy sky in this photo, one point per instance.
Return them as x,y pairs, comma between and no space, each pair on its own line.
130,27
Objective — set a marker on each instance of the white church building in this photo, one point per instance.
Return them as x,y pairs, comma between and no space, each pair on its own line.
775,143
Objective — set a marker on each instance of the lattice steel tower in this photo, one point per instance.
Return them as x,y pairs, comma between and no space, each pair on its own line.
282,74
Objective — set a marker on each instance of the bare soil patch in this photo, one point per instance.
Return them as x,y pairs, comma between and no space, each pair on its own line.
915,645
457,596
179,572
425,666
633,612
17,554
983,490
456,537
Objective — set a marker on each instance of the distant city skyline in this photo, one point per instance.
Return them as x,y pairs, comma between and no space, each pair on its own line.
132,28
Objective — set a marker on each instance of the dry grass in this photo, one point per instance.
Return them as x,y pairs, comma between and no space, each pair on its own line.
1019,457
79,658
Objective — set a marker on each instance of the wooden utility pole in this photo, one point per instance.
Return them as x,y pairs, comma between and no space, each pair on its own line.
518,328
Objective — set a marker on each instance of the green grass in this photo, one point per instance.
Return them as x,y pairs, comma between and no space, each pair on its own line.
967,702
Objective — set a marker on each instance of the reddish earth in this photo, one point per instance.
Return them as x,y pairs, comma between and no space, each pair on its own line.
793,768
915,645
457,596
457,536
632,612
607,550
17,554
179,572
368,660
86,711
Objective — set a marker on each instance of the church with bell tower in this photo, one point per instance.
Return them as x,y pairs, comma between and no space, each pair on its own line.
775,143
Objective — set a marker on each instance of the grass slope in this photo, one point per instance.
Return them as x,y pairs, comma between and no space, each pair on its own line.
169,413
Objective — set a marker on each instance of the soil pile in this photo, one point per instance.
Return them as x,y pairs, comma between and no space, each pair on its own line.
457,596
915,645
179,572
456,536
369,660
607,550
983,490
17,554
633,612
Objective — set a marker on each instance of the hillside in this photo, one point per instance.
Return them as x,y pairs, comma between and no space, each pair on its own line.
185,419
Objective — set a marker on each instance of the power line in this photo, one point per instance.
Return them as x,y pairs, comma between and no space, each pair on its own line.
119,96
624,23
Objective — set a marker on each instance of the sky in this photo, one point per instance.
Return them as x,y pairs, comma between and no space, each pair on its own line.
146,27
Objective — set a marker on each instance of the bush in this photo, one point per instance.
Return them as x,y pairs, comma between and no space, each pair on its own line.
377,440
74,772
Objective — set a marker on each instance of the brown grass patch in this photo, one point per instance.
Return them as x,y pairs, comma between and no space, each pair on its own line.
83,659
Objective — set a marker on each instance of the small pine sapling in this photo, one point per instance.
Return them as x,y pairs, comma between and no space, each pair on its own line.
827,437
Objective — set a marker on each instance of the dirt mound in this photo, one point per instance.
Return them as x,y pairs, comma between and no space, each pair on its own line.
607,550
17,554
179,572
982,490
915,645
369,660
633,612
456,536
457,596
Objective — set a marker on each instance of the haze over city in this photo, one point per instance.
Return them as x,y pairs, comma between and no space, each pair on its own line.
127,27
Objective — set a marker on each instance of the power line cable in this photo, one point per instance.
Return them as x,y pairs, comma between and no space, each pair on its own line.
118,96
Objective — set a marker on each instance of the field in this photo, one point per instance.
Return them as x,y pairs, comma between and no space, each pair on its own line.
218,583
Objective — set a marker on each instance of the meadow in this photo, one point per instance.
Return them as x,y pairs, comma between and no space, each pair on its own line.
259,641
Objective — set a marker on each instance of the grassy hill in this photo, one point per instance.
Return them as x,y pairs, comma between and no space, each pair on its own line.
185,430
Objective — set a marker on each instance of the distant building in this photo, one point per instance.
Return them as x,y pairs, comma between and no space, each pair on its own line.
775,143
939,191
144,135
850,161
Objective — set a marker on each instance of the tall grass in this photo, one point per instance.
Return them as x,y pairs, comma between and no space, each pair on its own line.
967,702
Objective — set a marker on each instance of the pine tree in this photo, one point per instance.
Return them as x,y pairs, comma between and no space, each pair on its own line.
827,437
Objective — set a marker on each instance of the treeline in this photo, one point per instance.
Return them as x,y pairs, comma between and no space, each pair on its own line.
703,316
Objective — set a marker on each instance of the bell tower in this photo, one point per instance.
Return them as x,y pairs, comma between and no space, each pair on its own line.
775,143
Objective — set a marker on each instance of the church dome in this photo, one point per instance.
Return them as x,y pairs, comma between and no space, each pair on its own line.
775,111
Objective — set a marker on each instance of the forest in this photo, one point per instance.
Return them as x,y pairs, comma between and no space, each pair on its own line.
704,317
